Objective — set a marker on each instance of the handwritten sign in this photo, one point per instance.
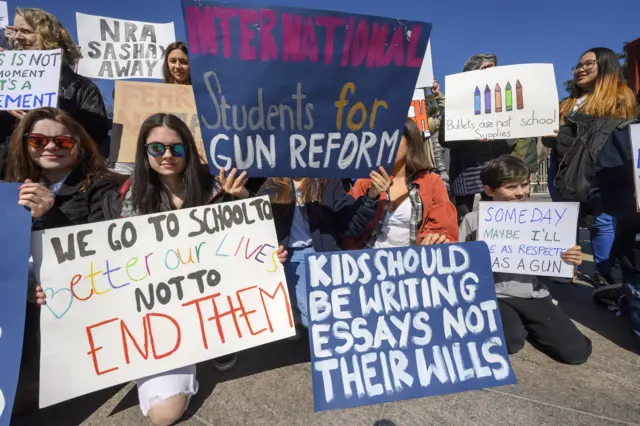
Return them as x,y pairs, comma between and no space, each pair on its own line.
291,92
529,238
634,131
116,49
515,101
136,101
418,111
4,14
395,324
134,297
14,263
29,79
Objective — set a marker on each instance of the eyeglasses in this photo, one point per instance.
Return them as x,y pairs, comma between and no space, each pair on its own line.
157,149
37,140
586,65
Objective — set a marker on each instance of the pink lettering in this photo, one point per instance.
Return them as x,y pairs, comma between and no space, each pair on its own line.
201,31
309,42
247,18
377,44
396,48
330,23
268,46
360,44
347,43
414,61
291,35
224,14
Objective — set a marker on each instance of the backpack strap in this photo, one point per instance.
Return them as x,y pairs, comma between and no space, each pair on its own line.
627,123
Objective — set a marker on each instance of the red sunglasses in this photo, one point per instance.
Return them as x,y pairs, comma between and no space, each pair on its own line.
37,140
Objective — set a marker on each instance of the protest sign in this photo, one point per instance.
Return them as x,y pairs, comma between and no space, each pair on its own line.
4,14
418,111
529,238
425,78
14,263
514,101
394,324
284,91
134,297
134,102
29,79
115,49
634,131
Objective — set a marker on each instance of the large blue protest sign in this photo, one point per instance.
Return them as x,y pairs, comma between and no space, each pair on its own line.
284,91
15,232
401,323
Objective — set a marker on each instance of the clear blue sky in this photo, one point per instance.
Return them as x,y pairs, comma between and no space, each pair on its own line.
518,31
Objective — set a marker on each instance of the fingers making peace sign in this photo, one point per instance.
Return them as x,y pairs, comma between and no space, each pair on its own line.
233,185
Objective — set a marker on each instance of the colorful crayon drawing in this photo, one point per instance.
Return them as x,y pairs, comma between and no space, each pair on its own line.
476,101
508,97
519,96
487,100
498,96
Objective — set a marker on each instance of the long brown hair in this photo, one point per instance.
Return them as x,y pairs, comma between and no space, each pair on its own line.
610,96
282,189
20,165
418,158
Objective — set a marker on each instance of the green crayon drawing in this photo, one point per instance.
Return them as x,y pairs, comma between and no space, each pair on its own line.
508,97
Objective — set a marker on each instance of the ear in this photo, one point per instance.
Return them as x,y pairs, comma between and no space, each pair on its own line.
488,191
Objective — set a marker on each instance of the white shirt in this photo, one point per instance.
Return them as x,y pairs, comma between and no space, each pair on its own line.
395,230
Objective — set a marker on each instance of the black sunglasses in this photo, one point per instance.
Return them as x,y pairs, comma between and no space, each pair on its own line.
157,149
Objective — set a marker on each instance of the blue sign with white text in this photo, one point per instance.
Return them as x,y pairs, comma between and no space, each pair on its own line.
15,233
400,323
291,92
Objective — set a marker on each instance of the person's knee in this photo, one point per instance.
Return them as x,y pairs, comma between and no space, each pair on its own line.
515,343
168,411
575,354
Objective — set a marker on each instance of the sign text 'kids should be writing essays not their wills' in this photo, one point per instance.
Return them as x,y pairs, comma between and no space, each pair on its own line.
134,297
401,323
292,92
29,79
529,238
115,49
507,102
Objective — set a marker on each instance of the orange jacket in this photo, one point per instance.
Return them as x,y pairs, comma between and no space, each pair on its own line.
438,213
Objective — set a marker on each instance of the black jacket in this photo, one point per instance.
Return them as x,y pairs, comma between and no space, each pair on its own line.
338,214
79,98
75,207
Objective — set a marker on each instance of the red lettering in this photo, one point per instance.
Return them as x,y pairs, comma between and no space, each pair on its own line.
414,61
125,331
396,48
197,303
74,282
247,18
245,314
217,316
421,118
268,46
330,23
153,345
360,44
272,297
377,44
201,30
291,35
94,350
346,48
224,14
309,42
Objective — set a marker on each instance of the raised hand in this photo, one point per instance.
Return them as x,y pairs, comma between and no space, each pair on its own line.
380,182
37,197
233,185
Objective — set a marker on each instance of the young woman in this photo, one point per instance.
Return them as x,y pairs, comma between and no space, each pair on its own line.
598,91
310,216
416,209
65,183
176,64
35,29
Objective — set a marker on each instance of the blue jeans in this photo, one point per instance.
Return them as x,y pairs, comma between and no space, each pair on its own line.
295,270
602,236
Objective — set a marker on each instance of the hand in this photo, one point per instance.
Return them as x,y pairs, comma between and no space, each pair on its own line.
433,239
235,185
18,114
41,296
435,87
554,135
282,254
38,198
380,182
485,140
573,255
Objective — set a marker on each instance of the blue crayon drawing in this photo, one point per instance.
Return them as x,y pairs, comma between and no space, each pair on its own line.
476,101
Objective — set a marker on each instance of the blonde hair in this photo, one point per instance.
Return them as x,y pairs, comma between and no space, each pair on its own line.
51,34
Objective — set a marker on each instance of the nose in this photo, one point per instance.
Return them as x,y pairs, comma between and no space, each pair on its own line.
167,154
50,146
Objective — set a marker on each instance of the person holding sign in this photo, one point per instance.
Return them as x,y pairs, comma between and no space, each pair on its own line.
526,307
35,29
65,183
416,208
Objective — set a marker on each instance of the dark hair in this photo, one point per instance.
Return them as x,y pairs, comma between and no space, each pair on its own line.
503,169
20,165
148,194
168,78
418,159
476,61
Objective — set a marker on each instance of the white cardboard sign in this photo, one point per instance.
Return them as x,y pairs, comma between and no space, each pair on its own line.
4,14
116,49
634,131
29,79
514,101
529,237
133,297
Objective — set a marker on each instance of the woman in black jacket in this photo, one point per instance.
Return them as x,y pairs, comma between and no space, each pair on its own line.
79,97
65,183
